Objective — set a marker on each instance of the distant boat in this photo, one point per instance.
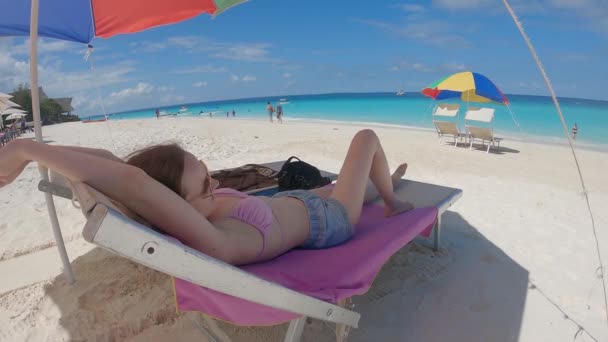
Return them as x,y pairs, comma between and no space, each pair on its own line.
283,101
163,113
400,92
183,110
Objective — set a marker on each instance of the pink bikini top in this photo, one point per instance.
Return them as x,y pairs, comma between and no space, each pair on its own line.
251,210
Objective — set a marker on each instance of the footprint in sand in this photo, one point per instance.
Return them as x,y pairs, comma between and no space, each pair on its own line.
488,258
481,306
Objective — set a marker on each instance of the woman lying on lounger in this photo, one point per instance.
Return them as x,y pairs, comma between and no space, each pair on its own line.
172,190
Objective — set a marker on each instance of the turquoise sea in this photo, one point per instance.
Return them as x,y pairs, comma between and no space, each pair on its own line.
536,115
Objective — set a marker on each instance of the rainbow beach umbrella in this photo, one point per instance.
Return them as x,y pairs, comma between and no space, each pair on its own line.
81,21
468,86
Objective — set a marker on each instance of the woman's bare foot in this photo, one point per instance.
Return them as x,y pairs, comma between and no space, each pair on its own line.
398,207
371,193
398,174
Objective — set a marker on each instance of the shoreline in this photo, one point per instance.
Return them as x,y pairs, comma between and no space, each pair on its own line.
524,138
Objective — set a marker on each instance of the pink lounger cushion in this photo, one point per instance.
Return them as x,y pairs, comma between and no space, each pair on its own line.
328,274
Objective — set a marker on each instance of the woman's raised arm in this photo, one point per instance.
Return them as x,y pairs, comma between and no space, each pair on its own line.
122,182
93,151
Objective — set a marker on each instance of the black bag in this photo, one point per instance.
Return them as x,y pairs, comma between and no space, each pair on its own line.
299,175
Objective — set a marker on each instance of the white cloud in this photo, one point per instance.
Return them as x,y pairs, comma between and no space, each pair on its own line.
419,67
594,12
416,66
141,89
463,4
208,68
200,84
453,67
411,8
257,52
184,42
171,99
15,70
12,71
250,52
246,78
48,46
434,32
287,75
165,89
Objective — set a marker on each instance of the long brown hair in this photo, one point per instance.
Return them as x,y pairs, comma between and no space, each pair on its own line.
164,163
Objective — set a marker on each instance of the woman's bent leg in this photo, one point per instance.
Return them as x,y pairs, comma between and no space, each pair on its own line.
371,193
365,159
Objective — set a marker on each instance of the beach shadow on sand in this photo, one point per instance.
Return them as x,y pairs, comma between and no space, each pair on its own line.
468,291
46,141
477,147
115,299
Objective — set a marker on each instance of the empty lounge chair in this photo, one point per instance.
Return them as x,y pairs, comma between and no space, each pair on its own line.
445,119
479,123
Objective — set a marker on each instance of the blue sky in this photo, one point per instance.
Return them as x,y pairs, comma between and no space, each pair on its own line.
266,47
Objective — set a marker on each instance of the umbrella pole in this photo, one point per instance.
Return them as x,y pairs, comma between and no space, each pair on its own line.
50,204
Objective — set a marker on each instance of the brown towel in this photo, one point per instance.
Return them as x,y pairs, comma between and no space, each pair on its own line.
247,177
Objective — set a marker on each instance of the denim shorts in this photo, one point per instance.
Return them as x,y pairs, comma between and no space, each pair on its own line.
329,225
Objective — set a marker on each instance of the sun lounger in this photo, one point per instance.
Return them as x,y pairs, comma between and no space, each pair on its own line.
296,285
479,123
445,119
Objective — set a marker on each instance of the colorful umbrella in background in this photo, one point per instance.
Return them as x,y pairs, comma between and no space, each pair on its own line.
81,21
468,86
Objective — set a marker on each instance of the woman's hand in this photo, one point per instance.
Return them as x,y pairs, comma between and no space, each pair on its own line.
12,161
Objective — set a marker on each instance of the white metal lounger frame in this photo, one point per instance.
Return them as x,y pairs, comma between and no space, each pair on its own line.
475,132
110,228
443,127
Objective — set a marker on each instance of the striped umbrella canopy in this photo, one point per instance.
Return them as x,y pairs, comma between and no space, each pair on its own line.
468,86
12,111
15,116
6,103
82,20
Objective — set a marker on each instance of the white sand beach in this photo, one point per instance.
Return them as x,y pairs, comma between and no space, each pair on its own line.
518,259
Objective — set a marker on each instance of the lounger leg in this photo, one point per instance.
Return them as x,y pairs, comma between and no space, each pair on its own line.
489,145
437,233
342,330
294,332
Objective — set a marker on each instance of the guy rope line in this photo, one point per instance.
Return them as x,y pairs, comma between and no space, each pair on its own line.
88,56
566,133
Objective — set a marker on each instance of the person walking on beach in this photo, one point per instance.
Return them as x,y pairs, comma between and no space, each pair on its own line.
270,110
574,131
228,114
279,112
157,114
233,113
